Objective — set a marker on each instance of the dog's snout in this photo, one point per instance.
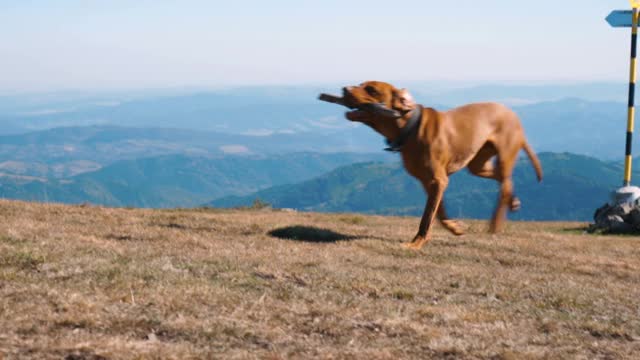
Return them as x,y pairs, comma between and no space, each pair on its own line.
347,89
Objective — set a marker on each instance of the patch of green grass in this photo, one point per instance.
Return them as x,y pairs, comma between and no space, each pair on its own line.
252,229
308,264
23,260
201,209
4,239
563,302
109,275
251,282
283,292
400,294
607,331
352,219
259,204
428,312
575,230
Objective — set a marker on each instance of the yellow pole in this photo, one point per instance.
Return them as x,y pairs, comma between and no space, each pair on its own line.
632,90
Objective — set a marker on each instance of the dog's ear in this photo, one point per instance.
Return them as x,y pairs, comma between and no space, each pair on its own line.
402,100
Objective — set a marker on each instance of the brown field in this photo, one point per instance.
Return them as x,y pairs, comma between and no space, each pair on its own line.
93,283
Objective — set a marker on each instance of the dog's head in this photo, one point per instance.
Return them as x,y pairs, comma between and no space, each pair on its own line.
378,105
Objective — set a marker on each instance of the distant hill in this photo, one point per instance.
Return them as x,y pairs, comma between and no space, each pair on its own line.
584,127
11,128
221,111
185,148
68,151
177,180
573,187
518,94
267,122
237,110
569,125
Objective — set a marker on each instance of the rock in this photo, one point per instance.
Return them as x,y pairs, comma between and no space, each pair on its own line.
616,224
634,218
601,213
620,209
619,218
601,210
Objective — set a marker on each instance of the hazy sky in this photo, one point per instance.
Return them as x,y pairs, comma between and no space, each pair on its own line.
173,43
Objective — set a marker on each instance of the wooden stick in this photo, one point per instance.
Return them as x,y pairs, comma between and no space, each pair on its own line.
332,99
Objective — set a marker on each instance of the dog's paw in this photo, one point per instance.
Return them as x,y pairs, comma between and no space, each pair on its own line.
417,243
454,227
515,204
412,246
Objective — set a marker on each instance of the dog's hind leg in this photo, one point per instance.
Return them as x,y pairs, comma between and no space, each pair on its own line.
506,162
506,189
482,165
451,225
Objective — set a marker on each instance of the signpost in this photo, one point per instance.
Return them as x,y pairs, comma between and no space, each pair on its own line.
628,18
620,18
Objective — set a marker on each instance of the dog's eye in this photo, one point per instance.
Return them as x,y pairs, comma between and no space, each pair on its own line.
371,90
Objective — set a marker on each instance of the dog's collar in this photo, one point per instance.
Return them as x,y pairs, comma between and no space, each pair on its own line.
412,124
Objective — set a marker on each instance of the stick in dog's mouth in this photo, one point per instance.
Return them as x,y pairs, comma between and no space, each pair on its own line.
332,99
379,109
351,115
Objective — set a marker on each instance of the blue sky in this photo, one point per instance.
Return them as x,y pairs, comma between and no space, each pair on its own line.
103,44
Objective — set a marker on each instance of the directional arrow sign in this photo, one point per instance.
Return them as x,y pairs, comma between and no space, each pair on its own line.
620,18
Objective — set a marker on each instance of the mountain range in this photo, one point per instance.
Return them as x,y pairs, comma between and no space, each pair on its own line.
176,180
63,152
573,187
226,147
568,118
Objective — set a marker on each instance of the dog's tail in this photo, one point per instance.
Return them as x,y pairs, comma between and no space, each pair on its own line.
534,160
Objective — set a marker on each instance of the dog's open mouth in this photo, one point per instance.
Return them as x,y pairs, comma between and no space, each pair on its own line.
355,115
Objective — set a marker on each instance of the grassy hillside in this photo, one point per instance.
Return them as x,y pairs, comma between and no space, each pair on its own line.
99,283
573,187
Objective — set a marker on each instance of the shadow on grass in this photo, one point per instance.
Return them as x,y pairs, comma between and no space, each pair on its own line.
309,234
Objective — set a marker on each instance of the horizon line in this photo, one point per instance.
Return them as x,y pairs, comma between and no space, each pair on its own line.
454,84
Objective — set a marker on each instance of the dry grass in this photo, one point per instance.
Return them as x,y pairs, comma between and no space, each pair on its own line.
93,283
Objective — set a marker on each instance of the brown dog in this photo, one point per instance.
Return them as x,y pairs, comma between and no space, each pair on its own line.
436,144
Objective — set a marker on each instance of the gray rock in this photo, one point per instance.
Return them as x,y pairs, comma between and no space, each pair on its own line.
620,218
615,223
634,218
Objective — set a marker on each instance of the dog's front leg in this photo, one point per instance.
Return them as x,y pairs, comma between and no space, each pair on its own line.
435,190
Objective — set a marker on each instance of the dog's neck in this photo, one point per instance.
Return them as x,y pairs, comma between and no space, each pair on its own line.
412,123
